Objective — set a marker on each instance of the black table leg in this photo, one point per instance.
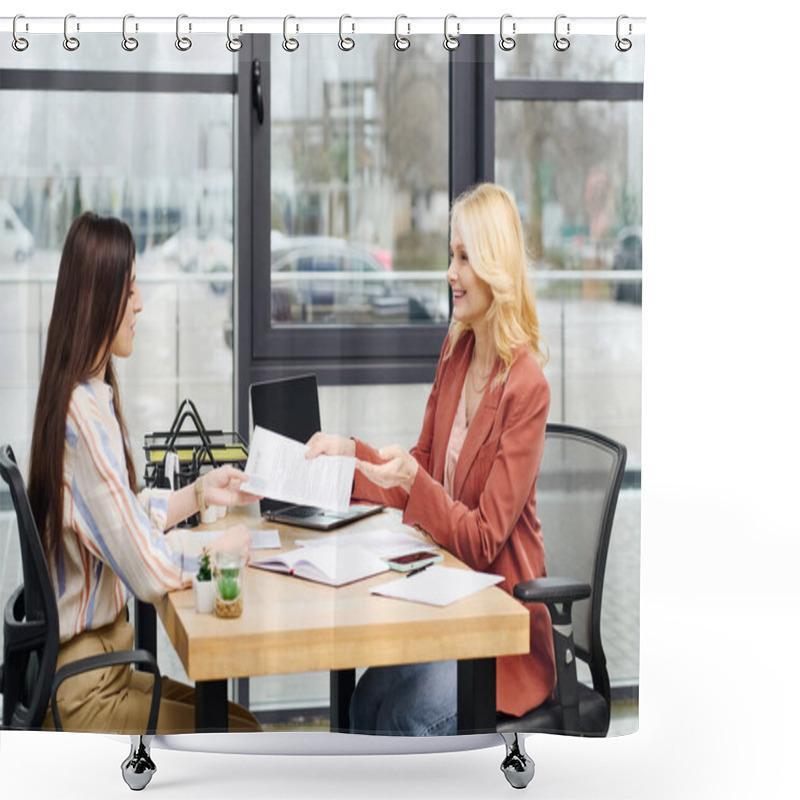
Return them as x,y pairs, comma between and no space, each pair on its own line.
144,623
343,682
477,696
211,706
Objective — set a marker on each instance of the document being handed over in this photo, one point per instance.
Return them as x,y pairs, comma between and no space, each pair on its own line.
277,468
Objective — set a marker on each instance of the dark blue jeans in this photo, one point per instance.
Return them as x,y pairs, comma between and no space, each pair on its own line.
406,700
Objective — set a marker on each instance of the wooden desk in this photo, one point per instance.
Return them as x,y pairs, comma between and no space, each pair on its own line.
291,625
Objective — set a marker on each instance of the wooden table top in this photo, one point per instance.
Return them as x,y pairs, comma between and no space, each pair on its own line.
293,625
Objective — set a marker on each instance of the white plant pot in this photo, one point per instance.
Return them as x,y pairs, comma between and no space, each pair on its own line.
204,595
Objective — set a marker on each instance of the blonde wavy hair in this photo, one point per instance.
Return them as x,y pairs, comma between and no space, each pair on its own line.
488,222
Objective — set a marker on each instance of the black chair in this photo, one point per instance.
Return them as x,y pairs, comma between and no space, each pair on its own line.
28,676
576,495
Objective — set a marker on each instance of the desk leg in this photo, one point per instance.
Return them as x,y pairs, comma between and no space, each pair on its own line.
144,623
211,706
477,696
343,682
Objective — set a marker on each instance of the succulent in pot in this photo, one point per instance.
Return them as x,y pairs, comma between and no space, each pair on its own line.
203,586
229,575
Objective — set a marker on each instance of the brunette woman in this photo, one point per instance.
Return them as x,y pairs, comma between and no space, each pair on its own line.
106,541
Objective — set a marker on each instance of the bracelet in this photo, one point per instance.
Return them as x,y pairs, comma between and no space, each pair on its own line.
198,493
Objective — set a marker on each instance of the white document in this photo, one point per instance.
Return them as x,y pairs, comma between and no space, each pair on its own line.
335,566
263,539
438,586
383,542
277,468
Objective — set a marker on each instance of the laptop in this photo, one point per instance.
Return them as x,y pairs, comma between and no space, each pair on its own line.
290,406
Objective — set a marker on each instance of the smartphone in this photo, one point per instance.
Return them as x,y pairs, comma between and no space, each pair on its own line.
414,560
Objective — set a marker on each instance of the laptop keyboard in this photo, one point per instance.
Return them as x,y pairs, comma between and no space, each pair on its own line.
303,511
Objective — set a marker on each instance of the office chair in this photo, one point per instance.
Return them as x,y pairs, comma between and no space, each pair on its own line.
28,676
576,499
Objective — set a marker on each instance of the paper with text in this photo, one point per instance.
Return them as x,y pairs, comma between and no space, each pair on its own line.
277,468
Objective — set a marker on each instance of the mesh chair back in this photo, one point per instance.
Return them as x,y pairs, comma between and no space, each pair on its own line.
30,625
576,497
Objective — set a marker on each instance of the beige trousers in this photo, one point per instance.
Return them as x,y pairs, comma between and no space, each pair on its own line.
117,699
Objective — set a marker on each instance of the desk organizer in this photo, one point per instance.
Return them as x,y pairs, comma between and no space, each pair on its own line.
197,450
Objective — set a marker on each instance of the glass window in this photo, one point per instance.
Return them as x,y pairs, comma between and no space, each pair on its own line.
576,171
164,164
588,58
359,198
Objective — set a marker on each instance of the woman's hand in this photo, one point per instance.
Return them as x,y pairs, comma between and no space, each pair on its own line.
221,487
236,539
329,444
399,468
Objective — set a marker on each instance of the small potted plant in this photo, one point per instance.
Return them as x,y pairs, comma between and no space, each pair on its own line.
203,585
229,575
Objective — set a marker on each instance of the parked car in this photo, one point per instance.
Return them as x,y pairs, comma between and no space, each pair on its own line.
330,280
198,251
327,280
16,241
628,256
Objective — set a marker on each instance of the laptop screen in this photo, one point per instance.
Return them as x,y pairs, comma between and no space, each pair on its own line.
289,406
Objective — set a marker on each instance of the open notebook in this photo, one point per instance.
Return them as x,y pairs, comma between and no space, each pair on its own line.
329,564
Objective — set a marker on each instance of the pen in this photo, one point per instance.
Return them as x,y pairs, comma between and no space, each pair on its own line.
418,570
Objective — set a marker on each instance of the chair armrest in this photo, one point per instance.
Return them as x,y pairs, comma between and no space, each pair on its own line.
110,660
558,594
551,590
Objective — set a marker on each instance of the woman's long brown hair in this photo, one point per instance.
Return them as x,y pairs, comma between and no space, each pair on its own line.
94,279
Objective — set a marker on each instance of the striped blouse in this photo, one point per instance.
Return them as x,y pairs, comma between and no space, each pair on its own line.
113,544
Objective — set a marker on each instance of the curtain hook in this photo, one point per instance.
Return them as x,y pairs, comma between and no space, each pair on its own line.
561,43
507,42
345,43
128,42
18,43
70,42
233,44
623,45
451,42
289,44
401,42
183,43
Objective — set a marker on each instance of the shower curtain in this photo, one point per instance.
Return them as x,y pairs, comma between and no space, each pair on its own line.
289,197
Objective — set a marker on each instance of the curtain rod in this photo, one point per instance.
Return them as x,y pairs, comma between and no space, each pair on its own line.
452,25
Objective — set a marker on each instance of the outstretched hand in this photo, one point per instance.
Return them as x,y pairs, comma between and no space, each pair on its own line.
398,469
221,487
329,444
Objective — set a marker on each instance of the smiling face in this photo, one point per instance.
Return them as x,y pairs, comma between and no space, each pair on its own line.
472,296
122,343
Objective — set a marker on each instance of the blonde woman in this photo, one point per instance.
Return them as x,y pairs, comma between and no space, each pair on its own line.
470,481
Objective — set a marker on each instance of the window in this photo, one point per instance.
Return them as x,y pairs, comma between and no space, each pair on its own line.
357,207
153,149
